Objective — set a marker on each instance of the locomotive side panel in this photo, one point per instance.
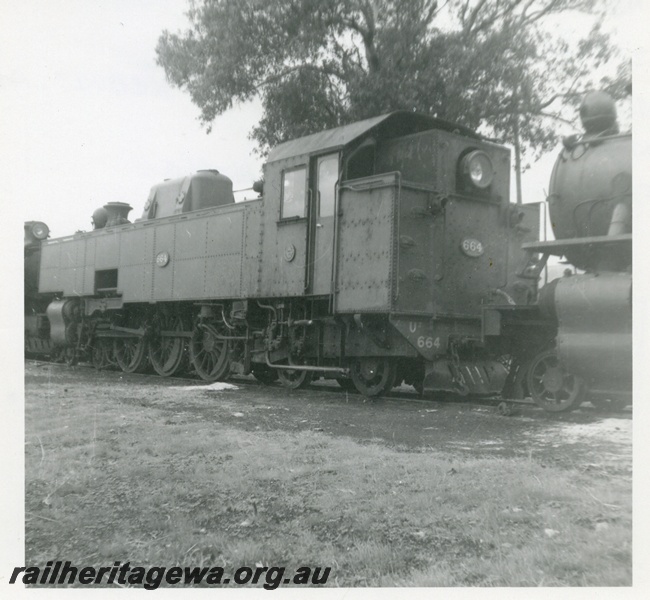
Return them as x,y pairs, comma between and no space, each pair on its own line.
192,252
107,250
420,263
223,260
366,244
204,254
89,268
476,246
181,258
522,282
135,274
76,272
71,261
163,274
49,268
63,267
284,256
251,268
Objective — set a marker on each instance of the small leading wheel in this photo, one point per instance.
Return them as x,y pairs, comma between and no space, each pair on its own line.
131,354
551,386
265,374
166,351
293,379
373,376
209,353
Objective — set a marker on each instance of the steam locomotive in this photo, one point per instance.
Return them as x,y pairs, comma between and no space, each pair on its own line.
584,346
380,252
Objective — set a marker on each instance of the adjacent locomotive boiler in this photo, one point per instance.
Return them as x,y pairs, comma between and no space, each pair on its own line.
585,340
370,258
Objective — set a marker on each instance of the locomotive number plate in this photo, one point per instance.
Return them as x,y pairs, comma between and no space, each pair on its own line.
162,259
472,247
289,252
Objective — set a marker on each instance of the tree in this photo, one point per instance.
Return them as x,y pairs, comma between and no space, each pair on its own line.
493,65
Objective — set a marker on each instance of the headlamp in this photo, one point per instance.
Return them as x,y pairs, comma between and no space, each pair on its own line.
477,170
40,231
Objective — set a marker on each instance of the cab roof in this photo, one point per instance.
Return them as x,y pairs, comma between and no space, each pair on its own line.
393,124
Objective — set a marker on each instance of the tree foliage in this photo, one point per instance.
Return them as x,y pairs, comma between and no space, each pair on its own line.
494,65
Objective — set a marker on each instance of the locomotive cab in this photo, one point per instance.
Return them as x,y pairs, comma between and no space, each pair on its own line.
404,218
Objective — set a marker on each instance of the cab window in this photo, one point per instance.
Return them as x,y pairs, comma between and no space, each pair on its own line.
294,193
328,175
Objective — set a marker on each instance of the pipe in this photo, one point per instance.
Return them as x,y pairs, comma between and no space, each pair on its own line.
339,370
269,307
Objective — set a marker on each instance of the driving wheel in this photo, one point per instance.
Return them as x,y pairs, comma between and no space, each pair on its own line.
293,379
131,354
209,353
166,351
373,376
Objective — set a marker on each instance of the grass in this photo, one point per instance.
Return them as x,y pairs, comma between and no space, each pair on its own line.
109,481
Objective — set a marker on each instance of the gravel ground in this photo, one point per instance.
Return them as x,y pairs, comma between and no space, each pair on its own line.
400,420
395,491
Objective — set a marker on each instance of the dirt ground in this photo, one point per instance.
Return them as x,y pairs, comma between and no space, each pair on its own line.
591,444
401,420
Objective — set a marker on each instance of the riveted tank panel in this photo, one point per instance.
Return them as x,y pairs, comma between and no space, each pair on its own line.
205,254
420,250
366,249
63,266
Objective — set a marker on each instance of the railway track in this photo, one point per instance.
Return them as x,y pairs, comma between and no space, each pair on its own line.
401,394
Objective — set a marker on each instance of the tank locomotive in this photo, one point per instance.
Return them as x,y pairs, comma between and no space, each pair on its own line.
370,257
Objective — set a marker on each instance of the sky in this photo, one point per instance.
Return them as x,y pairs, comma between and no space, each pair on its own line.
87,117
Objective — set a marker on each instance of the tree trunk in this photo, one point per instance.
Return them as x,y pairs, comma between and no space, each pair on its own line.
517,158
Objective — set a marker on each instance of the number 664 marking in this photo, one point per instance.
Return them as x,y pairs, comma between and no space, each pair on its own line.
428,342
472,247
